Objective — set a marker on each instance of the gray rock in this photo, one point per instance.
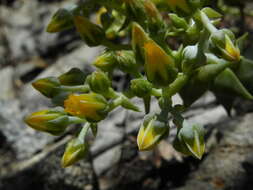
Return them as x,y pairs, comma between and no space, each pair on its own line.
24,29
43,171
23,140
228,165
6,78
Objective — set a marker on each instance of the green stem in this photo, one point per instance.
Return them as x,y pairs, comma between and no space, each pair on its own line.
156,92
83,132
176,86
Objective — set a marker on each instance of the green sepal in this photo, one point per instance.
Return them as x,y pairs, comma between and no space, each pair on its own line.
192,91
91,33
73,77
228,82
245,73
178,22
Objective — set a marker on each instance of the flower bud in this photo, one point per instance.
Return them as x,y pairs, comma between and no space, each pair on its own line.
47,86
223,40
159,66
76,150
73,77
61,20
106,62
141,87
190,140
92,107
190,58
99,82
126,61
91,33
151,132
50,121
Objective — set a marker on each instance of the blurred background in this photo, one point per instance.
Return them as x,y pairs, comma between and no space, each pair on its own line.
31,160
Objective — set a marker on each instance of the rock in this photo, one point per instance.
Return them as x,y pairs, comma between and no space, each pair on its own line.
24,29
228,165
43,171
7,89
22,140
107,160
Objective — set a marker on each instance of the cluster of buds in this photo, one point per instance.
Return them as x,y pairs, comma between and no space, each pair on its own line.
209,59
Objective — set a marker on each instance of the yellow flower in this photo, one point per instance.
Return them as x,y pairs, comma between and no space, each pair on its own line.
53,122
90,106
159,66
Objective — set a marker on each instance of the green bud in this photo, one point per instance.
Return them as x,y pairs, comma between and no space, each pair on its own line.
190,58
91,33
190,140
61,20
47,86
126,61
106,62
151,133
178,22
75,151
73,77
99,82
141,87
52,121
